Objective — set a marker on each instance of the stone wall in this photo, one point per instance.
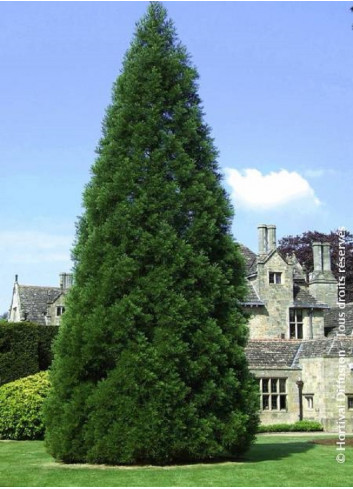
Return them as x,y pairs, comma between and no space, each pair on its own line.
321,378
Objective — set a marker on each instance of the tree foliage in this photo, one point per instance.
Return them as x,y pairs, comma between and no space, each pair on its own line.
301,245
149,364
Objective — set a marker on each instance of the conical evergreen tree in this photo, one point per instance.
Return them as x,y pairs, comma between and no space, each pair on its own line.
149,364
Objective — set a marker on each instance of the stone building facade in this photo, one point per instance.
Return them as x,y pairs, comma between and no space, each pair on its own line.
300,342
41,305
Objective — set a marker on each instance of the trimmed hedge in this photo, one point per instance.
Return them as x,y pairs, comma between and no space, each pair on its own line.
25,348
21,405
298,426
46,336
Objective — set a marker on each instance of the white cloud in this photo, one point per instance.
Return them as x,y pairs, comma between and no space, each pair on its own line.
253,190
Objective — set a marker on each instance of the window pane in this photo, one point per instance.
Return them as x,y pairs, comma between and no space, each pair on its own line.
265,403
282,402
292,331
272,278
350,402
299,315
264,385
278,278
274,402
60,310
300,331
291,315
274,385
282,385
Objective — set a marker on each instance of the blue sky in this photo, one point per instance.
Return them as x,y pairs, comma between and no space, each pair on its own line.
276,81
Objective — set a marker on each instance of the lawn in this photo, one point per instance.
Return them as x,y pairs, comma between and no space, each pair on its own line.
275,460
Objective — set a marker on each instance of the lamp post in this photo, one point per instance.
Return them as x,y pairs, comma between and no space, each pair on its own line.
300,384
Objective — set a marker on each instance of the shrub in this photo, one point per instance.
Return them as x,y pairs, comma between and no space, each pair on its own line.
21,407
298,426
25,349
307,426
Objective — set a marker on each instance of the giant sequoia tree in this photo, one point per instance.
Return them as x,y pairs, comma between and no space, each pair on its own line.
149,364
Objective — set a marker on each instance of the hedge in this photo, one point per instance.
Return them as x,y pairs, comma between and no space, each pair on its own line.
25,348
21,404
298,426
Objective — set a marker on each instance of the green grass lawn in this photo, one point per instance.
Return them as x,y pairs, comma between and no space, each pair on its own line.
275,460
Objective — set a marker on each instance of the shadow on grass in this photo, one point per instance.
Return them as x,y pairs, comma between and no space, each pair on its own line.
257,453
275,451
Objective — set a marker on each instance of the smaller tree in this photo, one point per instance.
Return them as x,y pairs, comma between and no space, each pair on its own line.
301,245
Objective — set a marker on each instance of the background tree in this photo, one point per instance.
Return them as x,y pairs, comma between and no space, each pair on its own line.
301,245
149,364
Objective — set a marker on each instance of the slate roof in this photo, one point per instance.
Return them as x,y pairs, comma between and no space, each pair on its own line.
303,298
34,301
277,353
328,347
250,259
332,316
287,354
252,298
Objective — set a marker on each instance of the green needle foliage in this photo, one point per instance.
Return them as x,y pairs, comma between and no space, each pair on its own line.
149,363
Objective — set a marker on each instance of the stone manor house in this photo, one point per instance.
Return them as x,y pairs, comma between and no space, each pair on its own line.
300,345
42,305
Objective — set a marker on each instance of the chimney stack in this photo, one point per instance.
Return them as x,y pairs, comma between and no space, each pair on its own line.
66,280
317,256
271,237
267,238
262,232
322,257
326,257
322,283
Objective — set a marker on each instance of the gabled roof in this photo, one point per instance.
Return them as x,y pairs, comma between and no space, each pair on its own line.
276,251
34,301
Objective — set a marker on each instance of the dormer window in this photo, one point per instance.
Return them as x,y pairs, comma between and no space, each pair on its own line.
275,277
